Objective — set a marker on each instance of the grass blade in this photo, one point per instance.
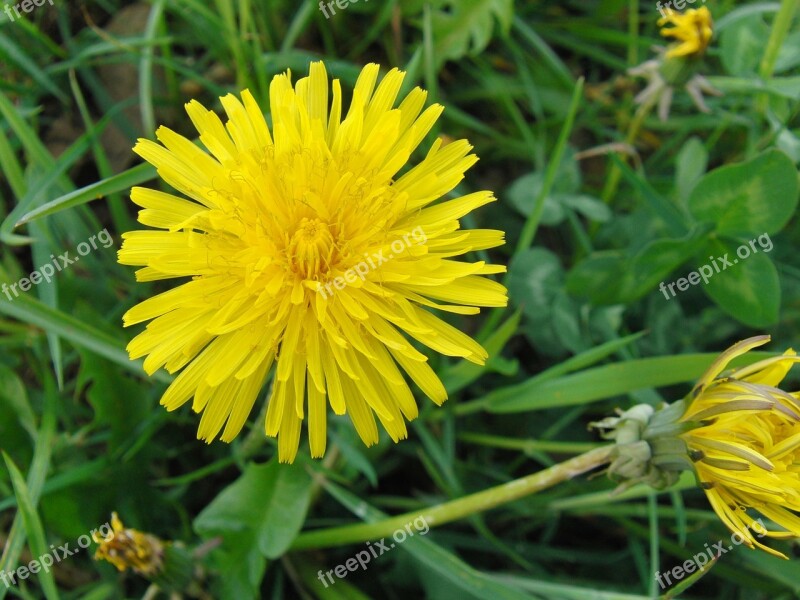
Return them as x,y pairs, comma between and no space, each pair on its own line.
79,333
117,183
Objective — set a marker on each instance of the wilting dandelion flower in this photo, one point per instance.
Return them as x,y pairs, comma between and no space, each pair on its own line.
736,430
130,549
307,248
678,65
169,564
692,30
747,445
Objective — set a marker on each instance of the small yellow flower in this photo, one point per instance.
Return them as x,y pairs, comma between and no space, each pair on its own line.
677,66
747,447
307,248
692,29
128,548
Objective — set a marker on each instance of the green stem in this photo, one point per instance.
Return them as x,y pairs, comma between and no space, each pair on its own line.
633,32
458,509
780,29
532,222
634,127
526,446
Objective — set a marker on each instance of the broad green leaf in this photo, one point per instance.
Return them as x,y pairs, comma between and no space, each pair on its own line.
669,213
590,207
655,262
787,87
610,278
289,498
787,141
750,198
748,289
741,46
257,515
525,190
271,500
535,285
243,567
522,195
783,87
597,278
565,322
745,13
690,165
789,53
465,27
534,277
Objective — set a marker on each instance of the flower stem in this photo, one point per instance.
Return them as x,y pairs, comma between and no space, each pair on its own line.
458,509
634,127
780,29
532,222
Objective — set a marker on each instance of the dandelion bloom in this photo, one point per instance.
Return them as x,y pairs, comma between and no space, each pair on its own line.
307,248
747,447
736,431
128,548
676,67
693,31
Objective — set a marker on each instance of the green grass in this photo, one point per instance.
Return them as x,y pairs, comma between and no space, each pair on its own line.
600,203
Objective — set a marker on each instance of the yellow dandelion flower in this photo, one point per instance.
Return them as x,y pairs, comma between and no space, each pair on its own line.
747,449
693,31
736,430
307,248
130,549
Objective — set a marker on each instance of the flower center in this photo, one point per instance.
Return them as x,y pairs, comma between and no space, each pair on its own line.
311,249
